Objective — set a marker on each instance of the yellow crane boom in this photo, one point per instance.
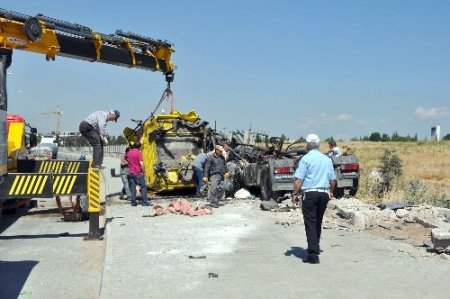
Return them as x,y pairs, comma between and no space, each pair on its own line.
53,37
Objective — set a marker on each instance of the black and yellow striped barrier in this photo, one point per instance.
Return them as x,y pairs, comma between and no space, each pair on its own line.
43,179
27,185
94,190
52,166
43,185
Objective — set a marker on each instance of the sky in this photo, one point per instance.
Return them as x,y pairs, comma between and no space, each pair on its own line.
340,69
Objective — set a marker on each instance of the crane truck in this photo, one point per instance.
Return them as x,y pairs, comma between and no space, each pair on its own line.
52,38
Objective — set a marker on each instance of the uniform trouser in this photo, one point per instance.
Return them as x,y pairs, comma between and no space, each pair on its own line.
124,172
198,172
95,140
217,188
137,179
314,205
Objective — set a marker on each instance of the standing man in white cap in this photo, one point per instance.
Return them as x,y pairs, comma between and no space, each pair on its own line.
214,172
315,181
93,128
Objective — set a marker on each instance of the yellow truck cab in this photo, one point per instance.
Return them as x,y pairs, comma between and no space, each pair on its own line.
170,143
15,130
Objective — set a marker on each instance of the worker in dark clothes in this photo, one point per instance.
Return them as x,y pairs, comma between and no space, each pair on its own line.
198,165
315,181
93,128
214,173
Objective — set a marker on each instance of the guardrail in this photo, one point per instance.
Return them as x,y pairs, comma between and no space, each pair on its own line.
114,151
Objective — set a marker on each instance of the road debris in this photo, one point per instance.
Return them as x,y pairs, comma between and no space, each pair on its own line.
180,206
197,256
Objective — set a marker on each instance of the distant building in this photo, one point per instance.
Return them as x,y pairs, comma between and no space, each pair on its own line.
436,133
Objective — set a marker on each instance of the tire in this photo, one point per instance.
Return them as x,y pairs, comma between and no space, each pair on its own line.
278,196
354,189
338,192
265,185
236,182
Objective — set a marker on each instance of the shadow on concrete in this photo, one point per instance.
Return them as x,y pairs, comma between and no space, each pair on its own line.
110,219
37,212
13,275
298,252
10,217
44,236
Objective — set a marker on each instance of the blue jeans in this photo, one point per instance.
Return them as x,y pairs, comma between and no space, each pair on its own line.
124,176
198,172
139,180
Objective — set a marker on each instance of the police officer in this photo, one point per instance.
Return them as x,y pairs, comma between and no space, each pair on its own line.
314,184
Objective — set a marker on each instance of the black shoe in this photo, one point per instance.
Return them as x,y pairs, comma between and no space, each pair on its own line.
312,259
214,205
146,204
133,203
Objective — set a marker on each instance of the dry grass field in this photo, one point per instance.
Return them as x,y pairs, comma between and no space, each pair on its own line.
425,165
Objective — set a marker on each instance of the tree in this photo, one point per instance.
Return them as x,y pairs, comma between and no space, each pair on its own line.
446,137
375,136
121,140
390,169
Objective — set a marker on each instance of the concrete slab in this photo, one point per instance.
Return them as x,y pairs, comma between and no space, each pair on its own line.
45,257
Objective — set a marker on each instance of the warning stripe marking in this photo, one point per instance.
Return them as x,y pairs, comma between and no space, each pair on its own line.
28,184
94,190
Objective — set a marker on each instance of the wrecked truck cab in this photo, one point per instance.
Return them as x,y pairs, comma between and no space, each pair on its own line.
347,172
270,173
170,143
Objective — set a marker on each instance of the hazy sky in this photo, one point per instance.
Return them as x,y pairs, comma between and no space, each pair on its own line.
336,68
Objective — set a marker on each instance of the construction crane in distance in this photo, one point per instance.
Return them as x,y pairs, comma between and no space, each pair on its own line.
58,113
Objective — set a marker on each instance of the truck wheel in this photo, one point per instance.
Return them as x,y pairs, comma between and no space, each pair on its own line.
338,192
353,191
265,185
236,182
278,196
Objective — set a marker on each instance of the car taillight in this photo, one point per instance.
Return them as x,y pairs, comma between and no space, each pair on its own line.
284,170
350,167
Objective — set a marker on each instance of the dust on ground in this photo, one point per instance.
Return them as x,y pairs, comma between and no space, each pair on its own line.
411,233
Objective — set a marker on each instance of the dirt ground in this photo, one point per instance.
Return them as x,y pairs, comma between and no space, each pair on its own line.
409,233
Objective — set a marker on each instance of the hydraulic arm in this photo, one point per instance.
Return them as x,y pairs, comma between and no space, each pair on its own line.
53,37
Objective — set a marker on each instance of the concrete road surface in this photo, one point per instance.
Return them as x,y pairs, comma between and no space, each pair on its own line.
237,252
253,257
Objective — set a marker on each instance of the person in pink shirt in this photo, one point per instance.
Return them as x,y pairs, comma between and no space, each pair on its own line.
136,176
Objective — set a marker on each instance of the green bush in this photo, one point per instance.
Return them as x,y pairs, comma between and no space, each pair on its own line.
390,169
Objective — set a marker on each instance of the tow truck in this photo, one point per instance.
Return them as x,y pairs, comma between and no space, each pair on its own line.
52,38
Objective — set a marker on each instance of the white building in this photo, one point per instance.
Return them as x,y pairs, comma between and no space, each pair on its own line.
436,133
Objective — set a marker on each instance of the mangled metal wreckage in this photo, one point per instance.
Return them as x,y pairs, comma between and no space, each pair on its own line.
269,170
170,143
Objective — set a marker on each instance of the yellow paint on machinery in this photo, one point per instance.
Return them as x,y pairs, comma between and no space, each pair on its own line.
16,139
170,142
